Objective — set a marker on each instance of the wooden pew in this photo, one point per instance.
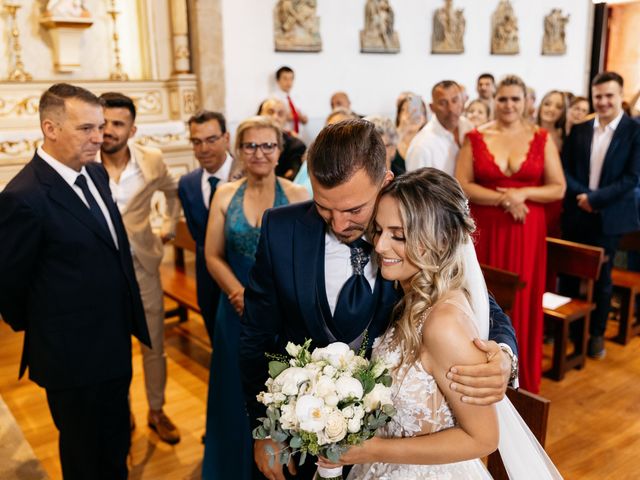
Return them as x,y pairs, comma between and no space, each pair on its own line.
177,284
503,285
575,260
627,284
534,410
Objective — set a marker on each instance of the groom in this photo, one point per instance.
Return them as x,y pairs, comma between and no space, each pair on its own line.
303,285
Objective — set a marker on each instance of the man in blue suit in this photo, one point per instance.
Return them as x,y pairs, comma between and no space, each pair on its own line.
601,161
304,283
210,141
67,281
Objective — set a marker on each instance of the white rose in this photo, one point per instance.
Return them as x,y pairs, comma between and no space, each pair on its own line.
358,412
311,414
279,397
353,425
329,370
336,427
331,400
347,412
318,354
288,418
348,387
338,354
380,395
292,349
325,387
290,380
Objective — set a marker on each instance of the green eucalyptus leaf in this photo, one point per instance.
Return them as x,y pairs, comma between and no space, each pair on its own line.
295,442
303,457
276,368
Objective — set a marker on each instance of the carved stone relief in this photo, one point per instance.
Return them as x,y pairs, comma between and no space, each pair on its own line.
553,42
448,29
378,35
296,26
504,30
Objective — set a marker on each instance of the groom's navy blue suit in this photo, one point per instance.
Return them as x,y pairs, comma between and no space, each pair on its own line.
281,298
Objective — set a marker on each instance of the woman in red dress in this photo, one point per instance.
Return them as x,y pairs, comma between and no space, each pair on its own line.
509,169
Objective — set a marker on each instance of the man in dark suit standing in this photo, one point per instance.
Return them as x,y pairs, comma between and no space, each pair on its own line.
601,160
210,141
305,284
67,281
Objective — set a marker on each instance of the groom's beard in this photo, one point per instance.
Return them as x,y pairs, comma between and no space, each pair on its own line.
350,233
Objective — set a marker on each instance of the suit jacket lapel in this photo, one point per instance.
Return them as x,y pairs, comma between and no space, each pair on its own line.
307,242
116,219
610,156
61,193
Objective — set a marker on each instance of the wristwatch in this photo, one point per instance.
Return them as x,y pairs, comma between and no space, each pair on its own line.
513,377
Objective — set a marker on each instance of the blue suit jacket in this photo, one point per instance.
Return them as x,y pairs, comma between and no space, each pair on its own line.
615,197
63,281
197,216
281,301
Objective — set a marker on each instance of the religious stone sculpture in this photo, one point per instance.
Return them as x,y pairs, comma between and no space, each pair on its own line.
66,8
553,42
448,30
504,30
378,35
296,26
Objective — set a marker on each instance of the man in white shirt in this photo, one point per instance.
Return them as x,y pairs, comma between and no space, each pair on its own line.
437,144
601,161
135,174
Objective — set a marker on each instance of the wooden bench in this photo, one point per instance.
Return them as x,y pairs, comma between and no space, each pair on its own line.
575,260
534,410
503,285
627,284
177,284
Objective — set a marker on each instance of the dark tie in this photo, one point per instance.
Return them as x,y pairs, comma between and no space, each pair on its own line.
213,181
355,301
94,208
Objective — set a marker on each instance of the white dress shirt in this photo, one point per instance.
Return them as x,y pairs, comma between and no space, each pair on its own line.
435,146
69,175
337,268
602,135
131,181
222,174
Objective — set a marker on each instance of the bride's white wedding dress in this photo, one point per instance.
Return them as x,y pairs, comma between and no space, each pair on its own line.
421,410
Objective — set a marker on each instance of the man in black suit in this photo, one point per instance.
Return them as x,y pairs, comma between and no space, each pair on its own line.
601,161
67,281
301,283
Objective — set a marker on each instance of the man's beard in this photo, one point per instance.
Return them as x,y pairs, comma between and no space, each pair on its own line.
346,236
113,148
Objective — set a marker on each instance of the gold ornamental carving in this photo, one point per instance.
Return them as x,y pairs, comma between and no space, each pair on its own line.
18,107
14,148
17,72
189,101
149,103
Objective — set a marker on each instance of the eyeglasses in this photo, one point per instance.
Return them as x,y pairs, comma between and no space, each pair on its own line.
251,148
196,142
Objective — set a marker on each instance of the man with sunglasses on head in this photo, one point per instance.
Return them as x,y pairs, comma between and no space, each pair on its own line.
210,140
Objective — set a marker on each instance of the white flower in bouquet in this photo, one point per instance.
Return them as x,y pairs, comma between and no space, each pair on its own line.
353,425
290,380
336,427
288,417
330,371
349,387
311,413
347,412
338,354
378,368
325,386
293,349
380,395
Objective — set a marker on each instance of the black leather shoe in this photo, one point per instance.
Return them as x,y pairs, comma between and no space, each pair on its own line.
596,347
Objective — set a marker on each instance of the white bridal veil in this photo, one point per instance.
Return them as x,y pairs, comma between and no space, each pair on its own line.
522,455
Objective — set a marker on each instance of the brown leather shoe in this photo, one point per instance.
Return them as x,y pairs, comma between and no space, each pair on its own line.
164,427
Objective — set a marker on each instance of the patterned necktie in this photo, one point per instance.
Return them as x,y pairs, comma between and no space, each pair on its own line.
213,181
94,208
355,300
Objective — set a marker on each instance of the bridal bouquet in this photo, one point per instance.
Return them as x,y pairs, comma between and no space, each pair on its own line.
323,402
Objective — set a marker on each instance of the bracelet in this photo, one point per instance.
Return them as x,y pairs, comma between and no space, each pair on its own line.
514,363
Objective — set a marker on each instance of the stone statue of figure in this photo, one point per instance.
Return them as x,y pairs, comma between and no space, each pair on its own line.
448,30
296,26
504,36
553,42
378,35
66,8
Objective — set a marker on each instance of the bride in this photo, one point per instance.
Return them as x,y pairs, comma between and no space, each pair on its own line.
422,231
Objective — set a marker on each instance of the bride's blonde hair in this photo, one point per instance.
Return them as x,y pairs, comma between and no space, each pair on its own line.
437,223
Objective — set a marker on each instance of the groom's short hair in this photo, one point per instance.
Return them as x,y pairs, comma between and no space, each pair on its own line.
341,149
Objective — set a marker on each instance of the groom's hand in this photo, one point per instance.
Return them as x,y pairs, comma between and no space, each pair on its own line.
485,383
267,463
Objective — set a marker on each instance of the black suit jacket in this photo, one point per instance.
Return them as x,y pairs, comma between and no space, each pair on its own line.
614,198
281,301
63,281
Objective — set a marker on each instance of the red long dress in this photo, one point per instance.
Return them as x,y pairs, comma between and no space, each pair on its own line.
518,247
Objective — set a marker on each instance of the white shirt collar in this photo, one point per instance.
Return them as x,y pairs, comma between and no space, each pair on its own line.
612,125
68,174
223,172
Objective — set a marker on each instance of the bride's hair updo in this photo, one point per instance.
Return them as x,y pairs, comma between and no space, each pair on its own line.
437,223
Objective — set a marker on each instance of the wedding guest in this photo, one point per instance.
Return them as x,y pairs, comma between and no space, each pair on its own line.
340,99
577,112
387,130
304,283
509,169
292,148
136,173
232,238
477,112
438,143
552,116
338,115
530,107
411,117
486,89
284,82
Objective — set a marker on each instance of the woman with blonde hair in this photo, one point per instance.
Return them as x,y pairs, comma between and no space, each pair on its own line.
510,169
232,238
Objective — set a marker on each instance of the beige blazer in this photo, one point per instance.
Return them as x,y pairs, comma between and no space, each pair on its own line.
147,246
